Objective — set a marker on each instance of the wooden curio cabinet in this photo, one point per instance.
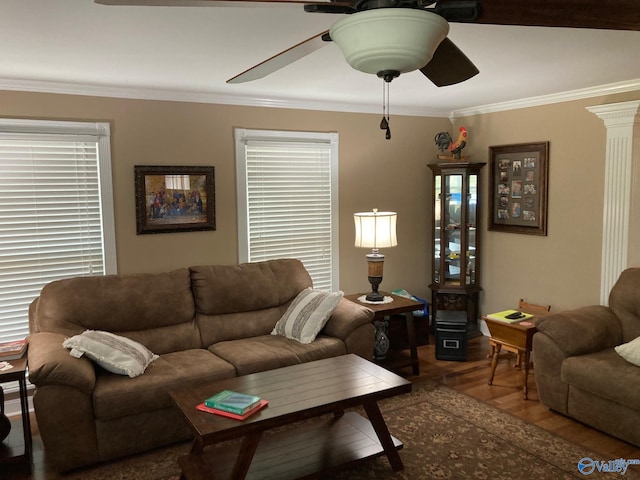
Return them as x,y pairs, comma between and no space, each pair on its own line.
455,249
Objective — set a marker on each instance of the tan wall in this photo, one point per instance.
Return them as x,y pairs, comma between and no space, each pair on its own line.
562,269
373,172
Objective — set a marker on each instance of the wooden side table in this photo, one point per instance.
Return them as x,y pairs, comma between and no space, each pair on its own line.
515,336
19,373
385,312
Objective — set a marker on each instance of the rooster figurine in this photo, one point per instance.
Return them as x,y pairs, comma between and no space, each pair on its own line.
445,142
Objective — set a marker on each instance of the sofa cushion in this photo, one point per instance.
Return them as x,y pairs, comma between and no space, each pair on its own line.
624,300
222,289
605,374
115,396
582,330
240,301
256,354
307,315
122,304
630,351
114,353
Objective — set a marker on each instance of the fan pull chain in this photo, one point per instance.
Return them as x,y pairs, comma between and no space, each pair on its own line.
384,123
388,134
386,76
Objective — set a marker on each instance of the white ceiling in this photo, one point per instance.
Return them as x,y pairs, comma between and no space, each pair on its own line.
188,53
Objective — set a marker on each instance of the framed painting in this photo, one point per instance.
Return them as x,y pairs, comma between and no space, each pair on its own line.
518,183
174,199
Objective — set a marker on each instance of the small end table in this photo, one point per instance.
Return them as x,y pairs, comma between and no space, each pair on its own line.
382,311
517,336
19,373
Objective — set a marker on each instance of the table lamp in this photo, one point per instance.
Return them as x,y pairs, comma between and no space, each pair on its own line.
375,230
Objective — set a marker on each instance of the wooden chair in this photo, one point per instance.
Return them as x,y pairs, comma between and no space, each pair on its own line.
533,309
525,307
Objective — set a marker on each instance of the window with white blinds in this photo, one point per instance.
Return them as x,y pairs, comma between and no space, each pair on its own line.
56,211
288,200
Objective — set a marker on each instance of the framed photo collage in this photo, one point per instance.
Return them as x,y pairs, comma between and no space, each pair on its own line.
518,188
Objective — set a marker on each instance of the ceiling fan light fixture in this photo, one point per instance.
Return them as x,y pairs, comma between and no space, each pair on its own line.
400,39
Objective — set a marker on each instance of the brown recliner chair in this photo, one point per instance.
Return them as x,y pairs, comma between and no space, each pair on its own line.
579,373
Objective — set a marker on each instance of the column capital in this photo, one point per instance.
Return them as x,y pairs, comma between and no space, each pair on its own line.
618,114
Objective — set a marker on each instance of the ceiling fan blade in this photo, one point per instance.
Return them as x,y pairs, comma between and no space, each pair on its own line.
212,3
605,14
449,65
282,59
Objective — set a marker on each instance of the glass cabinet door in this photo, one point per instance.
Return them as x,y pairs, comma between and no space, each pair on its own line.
437,228
471,227
455,224
453,213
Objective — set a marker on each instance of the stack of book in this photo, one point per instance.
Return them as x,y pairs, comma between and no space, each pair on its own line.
232,404
13,350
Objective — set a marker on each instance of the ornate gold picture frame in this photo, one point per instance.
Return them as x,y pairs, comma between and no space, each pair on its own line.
174,199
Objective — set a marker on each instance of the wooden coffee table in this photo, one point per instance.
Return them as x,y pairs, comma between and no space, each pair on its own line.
295,394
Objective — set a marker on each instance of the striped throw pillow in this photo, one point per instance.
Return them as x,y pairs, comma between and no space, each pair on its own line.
307,314
630,351
114,353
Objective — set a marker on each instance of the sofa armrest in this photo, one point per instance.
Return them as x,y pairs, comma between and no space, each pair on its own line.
51,364
346,318
583,330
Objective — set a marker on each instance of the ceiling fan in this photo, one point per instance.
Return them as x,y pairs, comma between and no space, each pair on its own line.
390,37
445,64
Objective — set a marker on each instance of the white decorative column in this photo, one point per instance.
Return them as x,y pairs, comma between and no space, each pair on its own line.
621,222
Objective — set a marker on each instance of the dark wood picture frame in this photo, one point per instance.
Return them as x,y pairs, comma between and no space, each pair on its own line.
518,188
174,199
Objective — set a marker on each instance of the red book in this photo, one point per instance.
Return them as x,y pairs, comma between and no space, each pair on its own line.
13,349
203,408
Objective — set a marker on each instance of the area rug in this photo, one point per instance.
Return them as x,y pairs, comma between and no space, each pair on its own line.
446,435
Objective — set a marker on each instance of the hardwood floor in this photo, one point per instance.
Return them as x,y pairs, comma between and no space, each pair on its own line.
471,377
468,377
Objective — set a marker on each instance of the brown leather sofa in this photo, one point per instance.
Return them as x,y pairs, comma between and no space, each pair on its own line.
205,323
579,373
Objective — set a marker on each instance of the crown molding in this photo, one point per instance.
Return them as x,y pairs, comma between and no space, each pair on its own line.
145,93
600,90
140,93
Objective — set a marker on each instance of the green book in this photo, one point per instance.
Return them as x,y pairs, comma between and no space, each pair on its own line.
233,402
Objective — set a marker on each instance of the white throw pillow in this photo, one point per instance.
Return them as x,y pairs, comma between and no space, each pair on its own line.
114,353
630,351
307,314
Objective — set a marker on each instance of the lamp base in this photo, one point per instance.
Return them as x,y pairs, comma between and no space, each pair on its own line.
375,297
382,343
375,281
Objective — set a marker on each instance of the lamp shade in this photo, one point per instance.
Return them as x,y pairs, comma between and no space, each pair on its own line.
376,229
399,39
